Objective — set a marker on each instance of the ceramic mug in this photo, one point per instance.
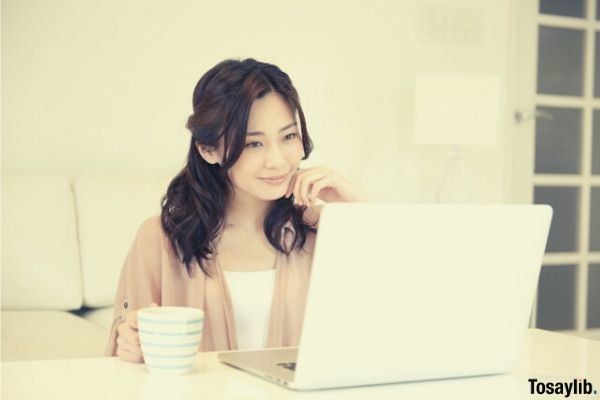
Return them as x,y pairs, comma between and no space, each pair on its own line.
170,338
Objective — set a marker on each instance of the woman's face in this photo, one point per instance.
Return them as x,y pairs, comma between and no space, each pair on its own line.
273,149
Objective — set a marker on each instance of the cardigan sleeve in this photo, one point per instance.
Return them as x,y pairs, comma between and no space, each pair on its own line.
312,215
140,280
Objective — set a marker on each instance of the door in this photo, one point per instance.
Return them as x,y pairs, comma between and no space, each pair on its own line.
555,152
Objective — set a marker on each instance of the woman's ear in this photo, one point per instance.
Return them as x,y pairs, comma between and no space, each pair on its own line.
208,154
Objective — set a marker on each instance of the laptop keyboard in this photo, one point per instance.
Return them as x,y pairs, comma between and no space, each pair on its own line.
291,366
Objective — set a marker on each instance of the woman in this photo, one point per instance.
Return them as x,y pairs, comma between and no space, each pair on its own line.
236,233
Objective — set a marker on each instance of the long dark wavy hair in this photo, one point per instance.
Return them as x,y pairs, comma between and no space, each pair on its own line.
193,209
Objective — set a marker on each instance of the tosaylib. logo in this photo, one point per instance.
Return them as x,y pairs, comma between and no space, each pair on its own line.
577,386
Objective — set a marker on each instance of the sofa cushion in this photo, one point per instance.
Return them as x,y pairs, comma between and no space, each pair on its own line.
40,257
103,317
41,335
110,210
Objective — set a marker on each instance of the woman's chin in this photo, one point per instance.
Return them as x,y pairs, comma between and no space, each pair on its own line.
273,197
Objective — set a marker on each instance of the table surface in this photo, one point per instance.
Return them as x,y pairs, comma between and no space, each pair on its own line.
547,356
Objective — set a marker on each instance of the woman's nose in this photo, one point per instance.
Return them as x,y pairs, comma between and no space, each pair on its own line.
275,157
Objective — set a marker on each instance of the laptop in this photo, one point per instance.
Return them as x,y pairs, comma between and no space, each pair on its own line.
409,292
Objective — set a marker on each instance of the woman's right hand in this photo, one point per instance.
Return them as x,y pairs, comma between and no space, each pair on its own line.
128,341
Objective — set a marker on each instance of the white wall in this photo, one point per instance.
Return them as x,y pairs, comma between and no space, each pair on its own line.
106,86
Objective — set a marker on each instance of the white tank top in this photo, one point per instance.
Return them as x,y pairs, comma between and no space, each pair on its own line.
251,296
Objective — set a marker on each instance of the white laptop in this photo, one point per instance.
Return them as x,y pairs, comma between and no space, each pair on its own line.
412,292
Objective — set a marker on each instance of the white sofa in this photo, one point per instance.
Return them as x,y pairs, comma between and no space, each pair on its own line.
64,240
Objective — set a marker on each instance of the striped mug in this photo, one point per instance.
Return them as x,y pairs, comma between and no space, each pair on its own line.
170,338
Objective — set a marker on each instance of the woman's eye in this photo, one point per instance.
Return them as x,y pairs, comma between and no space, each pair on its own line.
253,145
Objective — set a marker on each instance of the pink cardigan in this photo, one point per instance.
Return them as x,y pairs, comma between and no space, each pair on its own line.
152,273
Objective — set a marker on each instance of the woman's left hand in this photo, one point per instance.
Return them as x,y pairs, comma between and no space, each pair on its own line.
325,183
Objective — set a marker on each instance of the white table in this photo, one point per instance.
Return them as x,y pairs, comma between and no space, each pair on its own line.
547,356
